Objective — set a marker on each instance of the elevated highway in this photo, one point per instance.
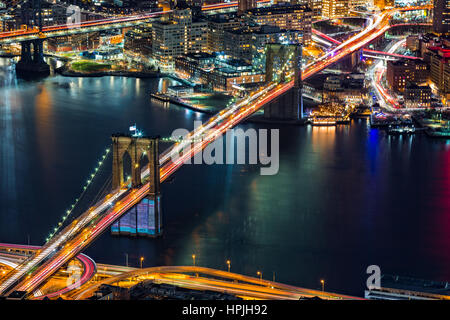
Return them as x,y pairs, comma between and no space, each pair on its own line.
199,278
12,255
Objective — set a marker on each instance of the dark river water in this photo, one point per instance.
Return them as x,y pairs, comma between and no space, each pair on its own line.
344,198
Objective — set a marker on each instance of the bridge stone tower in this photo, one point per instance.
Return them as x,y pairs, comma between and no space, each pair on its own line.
281,59
145,219
32,55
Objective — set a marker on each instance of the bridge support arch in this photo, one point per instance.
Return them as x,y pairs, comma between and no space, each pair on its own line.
144,219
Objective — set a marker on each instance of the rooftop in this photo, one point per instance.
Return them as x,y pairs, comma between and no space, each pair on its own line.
279,9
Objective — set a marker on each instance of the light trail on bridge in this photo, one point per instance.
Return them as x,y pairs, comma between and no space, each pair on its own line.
83,231
89,267
216,280
369,51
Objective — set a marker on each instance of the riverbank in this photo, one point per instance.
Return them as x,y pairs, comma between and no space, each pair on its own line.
66,72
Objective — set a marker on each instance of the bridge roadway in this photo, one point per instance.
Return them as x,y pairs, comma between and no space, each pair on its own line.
247,287
84,230
368,51
97,25
199,278
12,255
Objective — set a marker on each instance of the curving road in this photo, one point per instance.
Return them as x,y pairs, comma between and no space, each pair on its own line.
13,260
200,278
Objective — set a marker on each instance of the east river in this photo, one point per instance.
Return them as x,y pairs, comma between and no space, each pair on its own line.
345,197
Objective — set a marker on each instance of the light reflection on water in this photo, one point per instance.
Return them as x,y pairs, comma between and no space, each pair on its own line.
345,197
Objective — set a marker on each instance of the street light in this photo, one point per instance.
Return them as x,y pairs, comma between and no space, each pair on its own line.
229,265
193,259
259,273
142,260
322,282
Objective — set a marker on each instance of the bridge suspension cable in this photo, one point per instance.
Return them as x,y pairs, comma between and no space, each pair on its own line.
89,181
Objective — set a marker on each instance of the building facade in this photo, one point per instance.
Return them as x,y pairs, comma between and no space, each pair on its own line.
439,59
289,17
335,8
400,73
217,73
248,43
441,16
176,36
417,96
217,25
245,5
139,40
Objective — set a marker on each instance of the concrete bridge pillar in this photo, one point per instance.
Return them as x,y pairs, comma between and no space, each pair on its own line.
145,218
32,59
25,55
135,155
38,54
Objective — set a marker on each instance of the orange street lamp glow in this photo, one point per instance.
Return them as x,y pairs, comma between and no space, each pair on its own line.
259,273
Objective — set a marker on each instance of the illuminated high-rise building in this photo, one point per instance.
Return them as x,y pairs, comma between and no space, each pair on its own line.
441,16
379,3
291,17
245,5
335,8
177,35
316,8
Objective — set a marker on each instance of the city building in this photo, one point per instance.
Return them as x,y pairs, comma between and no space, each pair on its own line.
335,8
176,35
139,40
381,4
248,43
52,14
417,96
316,7
399,73
426,41
438,58
349,88
7,23
79,42
441,16
217,25
245,5
413,42
217,73
180,90
289,17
